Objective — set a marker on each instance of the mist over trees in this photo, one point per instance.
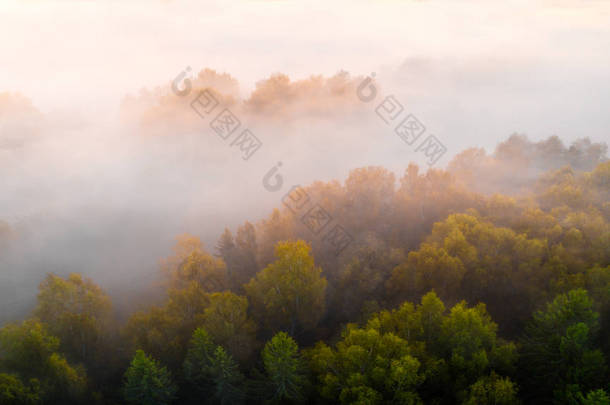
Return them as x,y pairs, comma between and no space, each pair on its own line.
517,163
486,283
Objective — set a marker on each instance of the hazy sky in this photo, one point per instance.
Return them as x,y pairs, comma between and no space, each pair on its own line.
533,57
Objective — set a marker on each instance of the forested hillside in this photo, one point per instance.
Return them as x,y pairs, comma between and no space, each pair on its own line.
486,283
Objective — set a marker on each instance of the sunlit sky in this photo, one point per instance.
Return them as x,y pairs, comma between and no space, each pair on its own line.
61,52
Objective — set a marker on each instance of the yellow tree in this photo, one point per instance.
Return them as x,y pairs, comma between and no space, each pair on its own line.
289,293
226,320
77,311
191,263
31,355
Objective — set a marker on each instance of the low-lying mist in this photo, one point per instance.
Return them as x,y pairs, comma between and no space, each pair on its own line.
107,196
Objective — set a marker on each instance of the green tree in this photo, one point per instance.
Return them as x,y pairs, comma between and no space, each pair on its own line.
226,320
28,351
363,279
164,332
147,382
597,281
289,293
428,268
212,370
471,346
367,367
77,311
597,397
558,356
14,392
227,378
466,257
157,332
454,350
284,369
198,358
492,390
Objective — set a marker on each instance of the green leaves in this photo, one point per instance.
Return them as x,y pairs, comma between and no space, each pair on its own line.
75,310
289,293
227,378
492,390
147,382
284,368
212,370
226,319
597,397
558,355
466,257
199,358
29,352
367,366
412,353
14,392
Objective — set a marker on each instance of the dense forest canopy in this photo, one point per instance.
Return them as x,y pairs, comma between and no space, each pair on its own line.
485,283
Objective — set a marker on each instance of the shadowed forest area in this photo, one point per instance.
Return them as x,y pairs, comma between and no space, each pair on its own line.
485,283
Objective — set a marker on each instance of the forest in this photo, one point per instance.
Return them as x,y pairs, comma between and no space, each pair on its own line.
487,282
